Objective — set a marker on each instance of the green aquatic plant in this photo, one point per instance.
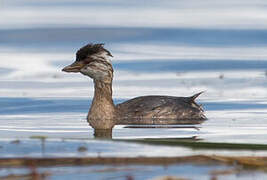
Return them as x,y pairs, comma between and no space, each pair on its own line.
195,143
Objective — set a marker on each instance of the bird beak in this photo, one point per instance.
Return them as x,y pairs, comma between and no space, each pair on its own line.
74,67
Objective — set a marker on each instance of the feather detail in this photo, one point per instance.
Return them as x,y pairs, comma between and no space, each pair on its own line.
89,50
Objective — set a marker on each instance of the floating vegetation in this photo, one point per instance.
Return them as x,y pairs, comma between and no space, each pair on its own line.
170,178
34,175
195,143
38,137
82,149
259,163
15,142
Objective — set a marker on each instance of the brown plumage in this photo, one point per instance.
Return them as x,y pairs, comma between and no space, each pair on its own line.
161,110
93,60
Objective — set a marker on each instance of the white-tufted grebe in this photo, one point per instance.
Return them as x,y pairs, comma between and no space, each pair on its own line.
93,60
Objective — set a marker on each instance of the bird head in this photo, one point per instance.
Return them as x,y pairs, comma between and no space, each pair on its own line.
92,60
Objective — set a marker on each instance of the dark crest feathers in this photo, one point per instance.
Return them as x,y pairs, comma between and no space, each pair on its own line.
90,49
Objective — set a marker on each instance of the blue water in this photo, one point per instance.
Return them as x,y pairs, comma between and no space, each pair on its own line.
175,48
191,65
140,172
50,106
73,37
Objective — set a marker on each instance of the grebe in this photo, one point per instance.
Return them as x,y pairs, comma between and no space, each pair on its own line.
93,60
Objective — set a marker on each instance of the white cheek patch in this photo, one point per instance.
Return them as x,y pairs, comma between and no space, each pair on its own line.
96,71
100,68
101,56
87,71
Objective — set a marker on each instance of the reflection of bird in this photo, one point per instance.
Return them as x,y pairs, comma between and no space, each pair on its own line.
93,60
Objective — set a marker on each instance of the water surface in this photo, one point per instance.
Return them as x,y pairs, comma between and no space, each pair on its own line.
161,48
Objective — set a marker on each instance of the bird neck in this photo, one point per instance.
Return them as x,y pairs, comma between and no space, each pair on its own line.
103,93
102,114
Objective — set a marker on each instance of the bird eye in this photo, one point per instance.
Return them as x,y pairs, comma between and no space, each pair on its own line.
87,60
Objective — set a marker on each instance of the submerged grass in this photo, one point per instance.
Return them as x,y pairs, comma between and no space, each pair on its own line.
197,144
246,162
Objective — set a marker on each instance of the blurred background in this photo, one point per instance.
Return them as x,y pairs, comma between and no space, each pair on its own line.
159,47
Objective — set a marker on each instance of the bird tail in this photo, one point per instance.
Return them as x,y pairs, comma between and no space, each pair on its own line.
195,96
